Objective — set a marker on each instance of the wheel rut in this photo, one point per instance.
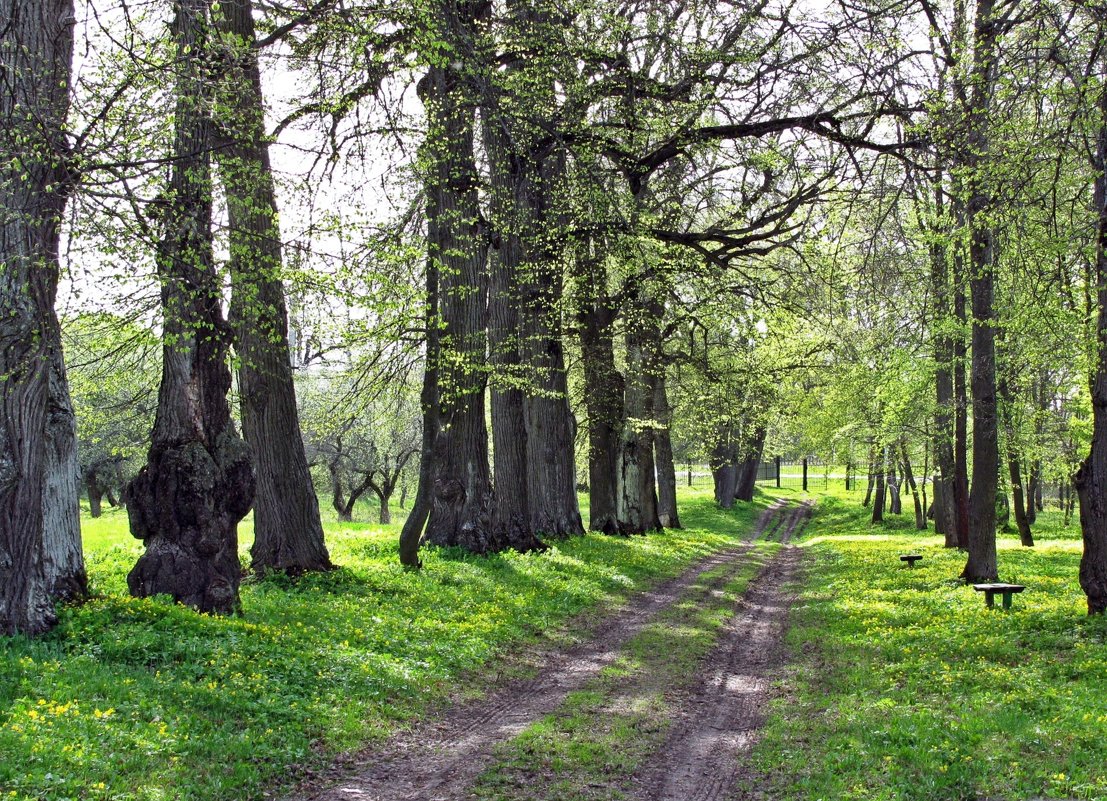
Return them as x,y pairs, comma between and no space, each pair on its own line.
722,711
440,758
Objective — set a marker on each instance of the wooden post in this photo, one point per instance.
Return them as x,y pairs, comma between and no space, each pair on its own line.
848,465
805,474
778,472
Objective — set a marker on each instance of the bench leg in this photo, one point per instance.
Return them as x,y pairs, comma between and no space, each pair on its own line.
989,598
1007,600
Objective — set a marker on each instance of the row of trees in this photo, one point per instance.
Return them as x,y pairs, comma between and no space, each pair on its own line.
664,219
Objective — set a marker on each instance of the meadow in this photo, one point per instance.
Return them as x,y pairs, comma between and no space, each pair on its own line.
905,686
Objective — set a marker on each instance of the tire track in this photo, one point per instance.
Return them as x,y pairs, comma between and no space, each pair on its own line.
440,759
721,715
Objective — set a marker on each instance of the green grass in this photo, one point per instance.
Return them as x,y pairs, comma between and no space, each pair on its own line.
137,700
906,687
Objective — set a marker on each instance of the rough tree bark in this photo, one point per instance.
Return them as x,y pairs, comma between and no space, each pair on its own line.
461,498
663,456
1091,477
603,389
981,564
637,490
724,467
288,533
198,483
40,546
751,461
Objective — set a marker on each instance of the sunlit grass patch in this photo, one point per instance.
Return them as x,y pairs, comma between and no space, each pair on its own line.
907,687
137,700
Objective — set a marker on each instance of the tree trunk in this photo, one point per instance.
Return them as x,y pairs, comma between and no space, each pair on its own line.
386,513
872,478
663,456
95,494
338,495
895,505
724,467
878,498
198,483
603,393
637,493
288,533
747,471
909,477
944,417
40,546
1091,477
461,500
960,404
1021,519
981,564
412,531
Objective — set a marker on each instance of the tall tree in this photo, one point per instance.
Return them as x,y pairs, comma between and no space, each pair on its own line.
198,483
288,533
1091,478
40,548
980,178
461,496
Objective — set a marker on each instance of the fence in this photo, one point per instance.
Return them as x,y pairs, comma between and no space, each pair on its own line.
806,475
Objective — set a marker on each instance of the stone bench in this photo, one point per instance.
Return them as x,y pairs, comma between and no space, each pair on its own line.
910,558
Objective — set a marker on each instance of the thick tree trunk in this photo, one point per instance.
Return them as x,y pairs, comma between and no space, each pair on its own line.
636,487
288,533
198,483
724,467
40,546
603,394
95,495
1091,477
747,471
663,456
461,500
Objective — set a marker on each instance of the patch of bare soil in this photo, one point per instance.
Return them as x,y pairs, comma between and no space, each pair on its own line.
721,714
439,759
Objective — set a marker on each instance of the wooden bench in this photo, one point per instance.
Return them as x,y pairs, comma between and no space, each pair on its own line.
910,558
1006,590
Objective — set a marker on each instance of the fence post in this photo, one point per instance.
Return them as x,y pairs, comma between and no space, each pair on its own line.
847,474
778,472
805,474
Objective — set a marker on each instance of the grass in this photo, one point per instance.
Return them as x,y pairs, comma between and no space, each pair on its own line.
142,700
906,687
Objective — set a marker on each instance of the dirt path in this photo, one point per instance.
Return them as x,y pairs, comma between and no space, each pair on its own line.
723,710
440,758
